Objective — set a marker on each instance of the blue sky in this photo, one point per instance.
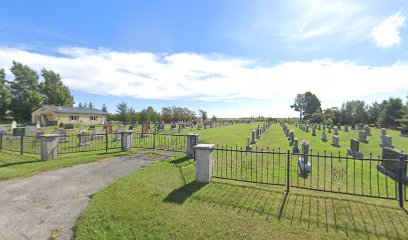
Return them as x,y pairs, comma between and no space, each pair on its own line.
231,58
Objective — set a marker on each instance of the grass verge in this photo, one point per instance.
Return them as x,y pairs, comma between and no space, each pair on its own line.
164,202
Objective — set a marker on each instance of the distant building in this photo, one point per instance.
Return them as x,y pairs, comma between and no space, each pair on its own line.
54,115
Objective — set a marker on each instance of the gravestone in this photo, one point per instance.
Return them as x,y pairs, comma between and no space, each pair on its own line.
324,136
339,126
386,142
353,126
304,165
18,132
62,135
335,141
391,165
84,139
253,137
354,149
336,131
30,129
362,136
330,129
368,130
313,131
118,134
248,146
307,128
97,134
324,127
319,127
91,127
131,127
291,138
383,131
109,129
69,127
346,128
13,124
295,148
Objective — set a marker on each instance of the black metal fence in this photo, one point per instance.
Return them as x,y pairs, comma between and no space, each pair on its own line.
21,144
85,142
328,172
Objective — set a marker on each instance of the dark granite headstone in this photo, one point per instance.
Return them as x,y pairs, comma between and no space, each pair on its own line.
391,165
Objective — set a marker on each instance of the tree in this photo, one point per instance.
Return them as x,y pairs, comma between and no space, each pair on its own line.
91,106
104,108
132,116
166,114
317,117
355,111
306,104
373,112
85,105
5,95
25,91
214,118
54,90
80,105
202,114
393,110
122,110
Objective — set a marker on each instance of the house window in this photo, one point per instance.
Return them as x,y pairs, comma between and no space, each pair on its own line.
93,118
73,118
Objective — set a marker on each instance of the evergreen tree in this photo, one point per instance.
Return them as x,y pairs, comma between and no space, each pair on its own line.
91,106
122,110
25,91
104,108
54,90
5,95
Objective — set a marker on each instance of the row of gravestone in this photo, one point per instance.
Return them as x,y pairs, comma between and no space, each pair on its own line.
256,134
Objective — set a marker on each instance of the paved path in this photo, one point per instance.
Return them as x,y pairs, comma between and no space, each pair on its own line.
47,205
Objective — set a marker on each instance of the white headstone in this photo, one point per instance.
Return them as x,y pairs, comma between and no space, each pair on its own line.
13,124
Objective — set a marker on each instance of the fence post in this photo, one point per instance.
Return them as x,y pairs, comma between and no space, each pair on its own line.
49,146
106,140
154,138
402,172
1,140
288,172
204,155
21,145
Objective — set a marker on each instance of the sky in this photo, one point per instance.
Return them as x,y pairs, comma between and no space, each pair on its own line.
232,58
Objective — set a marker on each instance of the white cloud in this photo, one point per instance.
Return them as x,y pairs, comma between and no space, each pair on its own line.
190,76
387,32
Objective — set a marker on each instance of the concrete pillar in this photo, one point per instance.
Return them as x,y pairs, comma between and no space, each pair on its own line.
204,156
191,142
49,146
127,140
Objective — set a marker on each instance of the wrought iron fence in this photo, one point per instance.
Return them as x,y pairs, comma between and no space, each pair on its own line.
328,172
162,141
21,144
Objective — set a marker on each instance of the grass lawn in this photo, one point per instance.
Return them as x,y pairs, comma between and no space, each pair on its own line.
14,165
232,135
164,202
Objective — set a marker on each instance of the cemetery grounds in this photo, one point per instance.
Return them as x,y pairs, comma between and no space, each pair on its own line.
164,201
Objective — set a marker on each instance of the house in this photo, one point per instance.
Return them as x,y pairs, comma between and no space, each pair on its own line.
54,115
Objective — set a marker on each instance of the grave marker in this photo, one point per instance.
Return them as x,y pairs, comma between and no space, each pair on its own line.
354,149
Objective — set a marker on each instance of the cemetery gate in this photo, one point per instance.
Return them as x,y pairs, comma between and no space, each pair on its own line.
328,172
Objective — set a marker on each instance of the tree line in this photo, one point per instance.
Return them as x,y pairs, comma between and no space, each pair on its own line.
127,114
390,113
26,91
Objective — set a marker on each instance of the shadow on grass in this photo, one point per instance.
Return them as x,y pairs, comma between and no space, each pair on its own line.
351,217
180,195
18,163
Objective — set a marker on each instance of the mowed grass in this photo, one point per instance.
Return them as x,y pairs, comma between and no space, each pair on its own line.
274,138
232,135
13,165
164,202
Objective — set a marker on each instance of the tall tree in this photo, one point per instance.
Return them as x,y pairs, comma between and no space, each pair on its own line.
25,91
54,90
306,104
85,105
122,110
393,110
202,114
91,106
80,105
5,95
373,112
166,114
355,111
104,108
